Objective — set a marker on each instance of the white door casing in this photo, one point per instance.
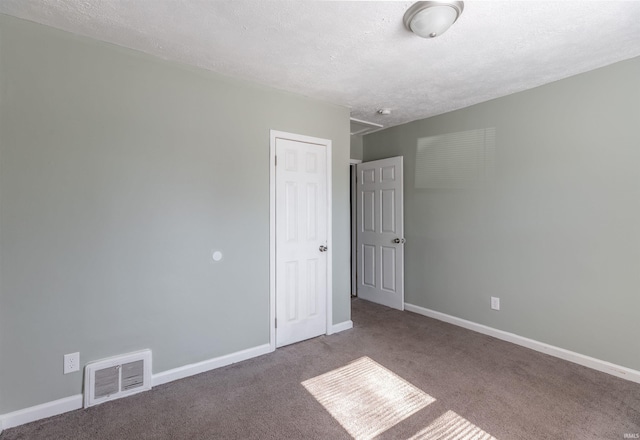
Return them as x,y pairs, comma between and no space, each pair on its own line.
380,232
300,238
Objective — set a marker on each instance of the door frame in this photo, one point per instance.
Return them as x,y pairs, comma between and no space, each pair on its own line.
276,134
353,175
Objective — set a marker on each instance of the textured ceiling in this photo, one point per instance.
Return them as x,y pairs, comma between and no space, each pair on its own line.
358,54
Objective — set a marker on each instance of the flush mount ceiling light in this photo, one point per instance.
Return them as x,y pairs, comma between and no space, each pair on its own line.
430,19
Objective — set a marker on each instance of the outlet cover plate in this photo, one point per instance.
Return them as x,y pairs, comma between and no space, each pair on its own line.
495,303
71,362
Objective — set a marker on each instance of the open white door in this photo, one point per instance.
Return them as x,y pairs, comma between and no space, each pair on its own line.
380,232
301,217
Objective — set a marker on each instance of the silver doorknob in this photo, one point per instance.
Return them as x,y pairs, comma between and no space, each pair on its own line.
399,240
323,248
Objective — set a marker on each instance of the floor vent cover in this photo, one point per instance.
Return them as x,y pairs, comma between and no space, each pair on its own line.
117,377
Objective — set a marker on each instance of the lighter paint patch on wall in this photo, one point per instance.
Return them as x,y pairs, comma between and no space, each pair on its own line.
456,160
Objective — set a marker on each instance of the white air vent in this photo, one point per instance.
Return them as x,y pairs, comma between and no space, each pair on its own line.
117,377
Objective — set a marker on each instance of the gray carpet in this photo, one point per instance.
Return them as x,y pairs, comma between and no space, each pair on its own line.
447,382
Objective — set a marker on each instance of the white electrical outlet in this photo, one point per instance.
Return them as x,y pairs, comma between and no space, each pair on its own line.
71,362
495,303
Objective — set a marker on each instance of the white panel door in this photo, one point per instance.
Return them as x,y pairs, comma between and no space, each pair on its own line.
301,241
380,232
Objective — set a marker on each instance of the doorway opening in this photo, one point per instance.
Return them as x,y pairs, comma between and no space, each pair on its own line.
353,200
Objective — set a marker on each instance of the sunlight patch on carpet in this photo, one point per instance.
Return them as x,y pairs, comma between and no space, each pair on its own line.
366,398
451,426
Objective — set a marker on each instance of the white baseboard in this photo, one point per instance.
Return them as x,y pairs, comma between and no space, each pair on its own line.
337,328
72,403
577,358
42,411
211,364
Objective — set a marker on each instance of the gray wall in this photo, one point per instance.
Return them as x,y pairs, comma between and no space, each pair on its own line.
119,173
356,147
557,234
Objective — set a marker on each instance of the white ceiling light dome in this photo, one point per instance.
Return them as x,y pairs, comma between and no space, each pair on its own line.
430,19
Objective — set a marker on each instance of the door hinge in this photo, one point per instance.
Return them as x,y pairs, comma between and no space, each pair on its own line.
276,322
276,159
